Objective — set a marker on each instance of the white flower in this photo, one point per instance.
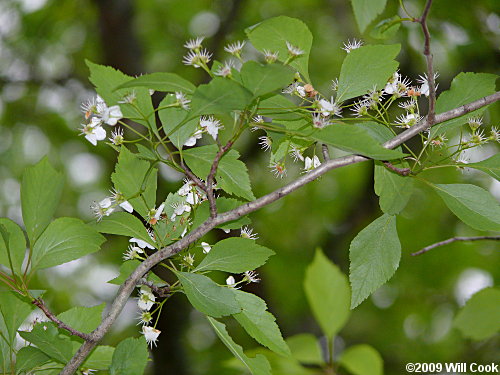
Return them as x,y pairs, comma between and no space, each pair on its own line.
129,98
132,253
397,85
494,134
142,244
145,317
225,70
89,107
111,115
182,101
296,154
329,107
155,214
408,120
197,59
319,121
117,137
146,298
231,282
179,209
265,142
151,334
103,208
188,259
475,122
119,198
93,131
258,119
206,247
423,80
211,125
88,371
191,141
235,48
194,43
408,105
310,164
186,188
270,56
350,45
335,84
251,277
279,169
361,108
293,51
247,232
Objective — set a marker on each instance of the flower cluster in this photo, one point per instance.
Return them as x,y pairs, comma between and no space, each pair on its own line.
97,113
206,124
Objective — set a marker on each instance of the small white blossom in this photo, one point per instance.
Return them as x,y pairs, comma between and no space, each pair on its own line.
247,232
119,198
145,317
142,244
329,107
495,134
278,169
408,120
133,252
117,137
179,209
235,48
151,335
408,105
102,208
265,142
182,100
188,259
477,138
155,214
191,141
225,70
475,122
211,125
296,154
146,298
194,43
350,45
128,98
335,84
310,164
111,115
270,56
397,85
423,80
197,59
206,247
293,51
319,121
93,131
231,282
361,108
251,277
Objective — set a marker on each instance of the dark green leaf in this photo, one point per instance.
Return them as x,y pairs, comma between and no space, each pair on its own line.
374,255
65,239
41,190
279,108
29,358
479,318
365,68
393,189
83,319
328,293
130,357
263,79
174,122
47,338
362,360
235,255
259,323
471,204
490,166
365,11
257,365
305,349
14,309
164,82
100,359
272,35
208,297
123,224
12,245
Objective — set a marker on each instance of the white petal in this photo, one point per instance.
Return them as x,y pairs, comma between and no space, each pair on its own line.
91,138
127,206
100,133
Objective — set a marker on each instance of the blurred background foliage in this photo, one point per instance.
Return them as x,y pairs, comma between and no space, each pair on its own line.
43,80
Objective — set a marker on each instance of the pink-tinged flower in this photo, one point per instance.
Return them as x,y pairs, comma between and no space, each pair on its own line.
151,334
279,169
319,121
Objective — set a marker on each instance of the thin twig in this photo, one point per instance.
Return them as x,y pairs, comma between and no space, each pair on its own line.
402,171
193,177
128,286
211,176
161,291
455,239
41,305
428,58
325,151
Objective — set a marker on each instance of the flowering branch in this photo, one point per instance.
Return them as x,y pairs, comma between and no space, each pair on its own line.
128,286
455,239
41,305
428,57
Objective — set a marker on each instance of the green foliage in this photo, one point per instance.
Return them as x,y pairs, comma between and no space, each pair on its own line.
123,224
386,29
257,366
12,245
328,294
47,338
174,121
130,357
272,35
65,239
471,204
235,255
15,309
41,190
101,358
232,174
305,349
365,11
374,255
490,166
264,79
393,189
208,297
164,82
29,358
83,319
362,360
259,323
478,319
365,68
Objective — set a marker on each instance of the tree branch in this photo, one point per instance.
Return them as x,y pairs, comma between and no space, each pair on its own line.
428,58
163,291
128,286
401,171
211,176
455,239
325,151
41,305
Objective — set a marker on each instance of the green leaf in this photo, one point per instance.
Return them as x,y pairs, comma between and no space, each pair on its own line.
235,255
83,319
41,190
490,166
145,153
356,140
362,360
130,357
12,245
387,28
164,82
273,33
374,255
259,323
232,174
220,96
327,291
305,349
174,122
208,297
465,88
365,68
279,109
106,81
258,365
29,357
100,359
130,176
123,224
14,309
65,239
473,205
479,318
393,189
263,79
365,11
47,338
